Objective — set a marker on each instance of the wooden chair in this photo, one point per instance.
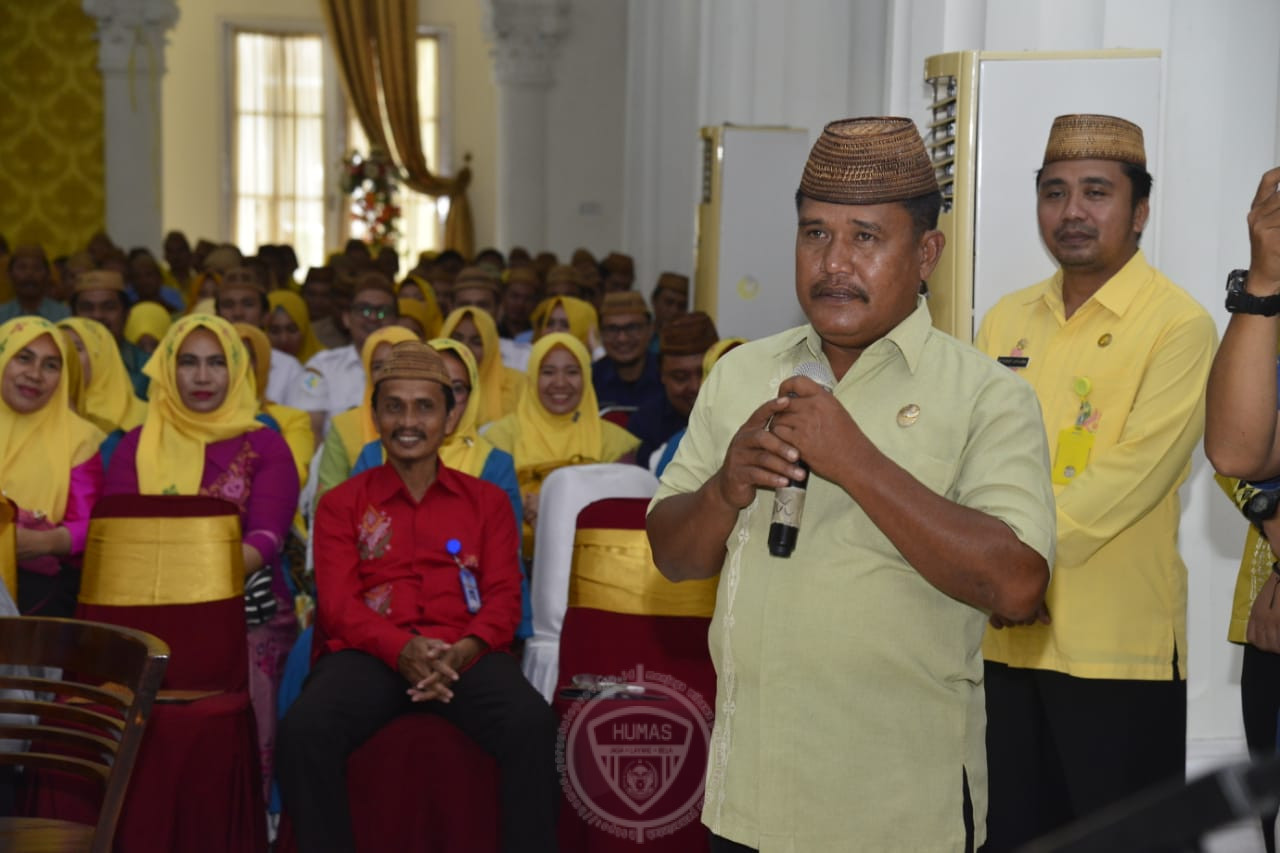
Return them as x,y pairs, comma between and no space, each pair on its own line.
91,726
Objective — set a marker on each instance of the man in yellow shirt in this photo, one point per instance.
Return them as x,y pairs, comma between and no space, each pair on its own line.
1088,704
849,710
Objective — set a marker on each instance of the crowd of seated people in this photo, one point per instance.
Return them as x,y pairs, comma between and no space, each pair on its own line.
212,372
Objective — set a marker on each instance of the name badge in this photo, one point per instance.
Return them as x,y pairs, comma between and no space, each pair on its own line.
470,589
1072,456
1014,361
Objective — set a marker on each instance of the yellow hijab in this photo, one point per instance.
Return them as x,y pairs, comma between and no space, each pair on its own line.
147,318
38,450
717,352
493,375
296,308
464,449
544,437
107,398
583,323
172,445
259,345
418,310
428,299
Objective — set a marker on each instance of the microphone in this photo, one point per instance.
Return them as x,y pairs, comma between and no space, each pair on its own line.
788,500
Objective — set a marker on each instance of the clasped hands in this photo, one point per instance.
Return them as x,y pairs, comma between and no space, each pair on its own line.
805,421
431,665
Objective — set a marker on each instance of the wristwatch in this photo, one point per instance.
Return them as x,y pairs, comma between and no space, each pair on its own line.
1241,301
1261,506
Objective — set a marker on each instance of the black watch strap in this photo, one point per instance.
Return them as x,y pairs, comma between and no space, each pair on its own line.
1241,301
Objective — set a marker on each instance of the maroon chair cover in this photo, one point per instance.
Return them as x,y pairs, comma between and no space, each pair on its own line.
620,415
420,785
599,642
196,785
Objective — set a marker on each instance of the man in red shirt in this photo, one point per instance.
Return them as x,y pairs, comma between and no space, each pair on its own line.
418,593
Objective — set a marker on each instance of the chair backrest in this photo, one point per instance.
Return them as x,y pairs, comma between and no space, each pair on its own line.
90,721
564,493
623,615
619,415
172,565
9,547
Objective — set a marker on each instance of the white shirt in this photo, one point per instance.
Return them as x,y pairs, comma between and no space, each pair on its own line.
284,379
332,382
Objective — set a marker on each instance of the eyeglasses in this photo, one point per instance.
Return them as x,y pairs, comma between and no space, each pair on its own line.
631,330
460,389
373,312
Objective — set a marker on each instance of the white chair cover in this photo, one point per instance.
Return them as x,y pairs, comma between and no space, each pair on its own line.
564,494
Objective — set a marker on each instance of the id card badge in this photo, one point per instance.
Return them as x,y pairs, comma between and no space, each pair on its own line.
470,589
1072,456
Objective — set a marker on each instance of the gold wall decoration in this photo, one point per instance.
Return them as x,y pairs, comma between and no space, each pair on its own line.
51,160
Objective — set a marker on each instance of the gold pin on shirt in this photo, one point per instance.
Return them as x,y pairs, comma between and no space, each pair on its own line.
908,415
1105,340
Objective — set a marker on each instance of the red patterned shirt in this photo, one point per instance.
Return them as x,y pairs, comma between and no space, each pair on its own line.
384,572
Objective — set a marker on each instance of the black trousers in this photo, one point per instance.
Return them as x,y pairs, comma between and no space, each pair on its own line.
350,695
49,595
1260,704
1060,748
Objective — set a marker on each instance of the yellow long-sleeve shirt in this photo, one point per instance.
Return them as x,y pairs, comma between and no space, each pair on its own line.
1118,596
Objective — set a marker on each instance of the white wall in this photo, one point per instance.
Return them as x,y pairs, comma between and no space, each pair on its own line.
587,132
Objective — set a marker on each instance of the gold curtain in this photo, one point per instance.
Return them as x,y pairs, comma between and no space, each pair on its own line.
376,43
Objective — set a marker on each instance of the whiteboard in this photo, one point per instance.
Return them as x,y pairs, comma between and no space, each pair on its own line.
1018,100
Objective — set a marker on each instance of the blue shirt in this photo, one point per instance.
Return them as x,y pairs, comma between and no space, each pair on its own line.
653,424
50,309
613,390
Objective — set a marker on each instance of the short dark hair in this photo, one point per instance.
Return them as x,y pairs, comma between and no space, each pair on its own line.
448,396
923,209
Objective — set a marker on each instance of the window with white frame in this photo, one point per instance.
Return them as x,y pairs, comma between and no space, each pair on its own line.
422,216
278,174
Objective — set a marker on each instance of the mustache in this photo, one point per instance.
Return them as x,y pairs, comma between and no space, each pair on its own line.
1075,230
838,286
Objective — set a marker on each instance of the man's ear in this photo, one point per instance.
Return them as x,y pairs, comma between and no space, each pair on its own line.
930,248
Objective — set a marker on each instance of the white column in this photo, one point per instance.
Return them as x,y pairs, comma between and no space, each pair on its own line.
525,35
131,45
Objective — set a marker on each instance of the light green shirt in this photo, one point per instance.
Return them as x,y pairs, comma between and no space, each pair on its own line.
849,699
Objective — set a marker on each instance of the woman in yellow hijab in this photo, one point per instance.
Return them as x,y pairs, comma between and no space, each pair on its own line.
417,318
501,386
567,314
202,437
147,323
353,429
49,464
557,422
289,325
293,424
415,287
105,395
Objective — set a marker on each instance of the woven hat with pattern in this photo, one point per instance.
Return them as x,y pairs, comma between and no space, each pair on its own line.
616,262
688,334
674,282
623,302
412,360
1095,137
869,160
476,277
241,278
99,280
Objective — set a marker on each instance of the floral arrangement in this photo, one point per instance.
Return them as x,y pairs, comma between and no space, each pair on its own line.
372,182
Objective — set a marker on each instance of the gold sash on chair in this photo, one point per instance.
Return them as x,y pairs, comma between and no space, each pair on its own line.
613,570
131,562
9,547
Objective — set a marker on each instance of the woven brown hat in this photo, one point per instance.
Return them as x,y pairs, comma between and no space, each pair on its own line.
476,277
222,258
1095,137
868,161
99,280
560,273
524,275
623,302
674,282
370,280
412,360
688,334
241,278
582,256
619,263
